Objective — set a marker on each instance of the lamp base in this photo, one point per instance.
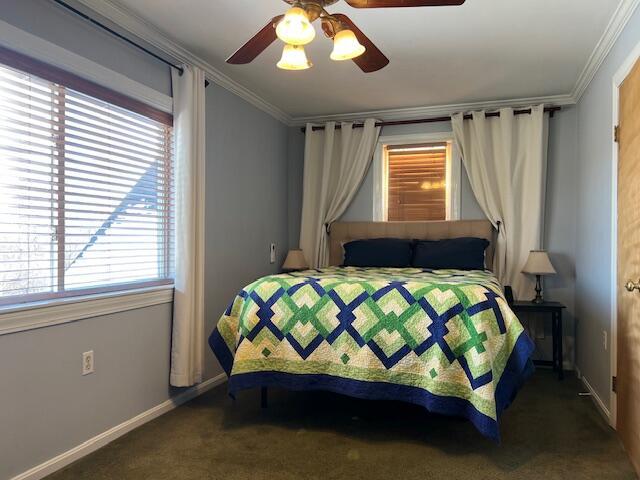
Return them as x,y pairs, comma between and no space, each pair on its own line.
538,298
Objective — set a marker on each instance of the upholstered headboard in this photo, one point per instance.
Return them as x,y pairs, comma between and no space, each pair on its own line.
342,232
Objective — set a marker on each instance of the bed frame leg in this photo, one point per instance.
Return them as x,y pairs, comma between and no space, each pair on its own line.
263,397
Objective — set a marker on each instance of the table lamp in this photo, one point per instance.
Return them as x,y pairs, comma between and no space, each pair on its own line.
295,261
538,264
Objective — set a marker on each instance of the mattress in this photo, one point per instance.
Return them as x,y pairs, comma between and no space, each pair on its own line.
443,339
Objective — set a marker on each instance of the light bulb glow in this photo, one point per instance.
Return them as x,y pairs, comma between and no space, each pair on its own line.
433,185
295,28
294,58
346,46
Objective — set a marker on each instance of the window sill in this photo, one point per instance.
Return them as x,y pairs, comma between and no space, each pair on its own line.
29,316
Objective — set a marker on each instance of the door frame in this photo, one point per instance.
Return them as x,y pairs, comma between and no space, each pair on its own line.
619,77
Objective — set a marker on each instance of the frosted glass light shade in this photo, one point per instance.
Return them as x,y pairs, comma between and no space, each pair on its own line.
538,263
295,28
346,46
294,58
295,261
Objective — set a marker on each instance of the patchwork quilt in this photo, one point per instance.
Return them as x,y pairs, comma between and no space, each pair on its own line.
443,339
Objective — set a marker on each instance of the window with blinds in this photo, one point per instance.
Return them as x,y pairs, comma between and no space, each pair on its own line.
85,193
417,182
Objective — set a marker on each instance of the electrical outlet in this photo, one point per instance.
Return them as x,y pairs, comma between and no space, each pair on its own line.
87,362
272,251
605,340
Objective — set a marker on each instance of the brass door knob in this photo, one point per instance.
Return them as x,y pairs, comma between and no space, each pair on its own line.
631,286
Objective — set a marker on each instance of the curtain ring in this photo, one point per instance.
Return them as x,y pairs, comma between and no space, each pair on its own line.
498,224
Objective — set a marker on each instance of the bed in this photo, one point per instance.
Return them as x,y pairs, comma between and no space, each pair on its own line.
443,339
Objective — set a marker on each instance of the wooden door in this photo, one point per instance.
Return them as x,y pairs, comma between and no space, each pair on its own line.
628,370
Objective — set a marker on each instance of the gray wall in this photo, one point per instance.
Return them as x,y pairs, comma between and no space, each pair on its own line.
295,159
46,406
593,260
560,222
246,199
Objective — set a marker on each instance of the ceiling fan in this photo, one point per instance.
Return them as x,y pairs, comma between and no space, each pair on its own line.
295,29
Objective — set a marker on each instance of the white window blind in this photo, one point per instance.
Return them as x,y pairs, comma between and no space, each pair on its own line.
86,193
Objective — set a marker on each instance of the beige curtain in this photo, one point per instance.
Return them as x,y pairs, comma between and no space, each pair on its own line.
187,349
505,158
335,163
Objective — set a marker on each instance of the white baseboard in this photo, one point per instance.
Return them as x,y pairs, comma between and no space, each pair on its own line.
99,441
602,408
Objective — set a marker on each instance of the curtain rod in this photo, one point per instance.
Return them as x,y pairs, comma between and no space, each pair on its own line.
550,110
120,36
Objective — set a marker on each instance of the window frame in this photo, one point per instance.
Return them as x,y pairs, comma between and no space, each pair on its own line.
58,307
381,167
20,317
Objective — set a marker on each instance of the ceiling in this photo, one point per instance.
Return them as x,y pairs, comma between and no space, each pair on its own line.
484,50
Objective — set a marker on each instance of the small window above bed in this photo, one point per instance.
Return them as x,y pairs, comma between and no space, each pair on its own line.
416,178
417,181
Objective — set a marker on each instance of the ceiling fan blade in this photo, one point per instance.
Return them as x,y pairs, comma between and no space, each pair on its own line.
257,44
372,59
402,3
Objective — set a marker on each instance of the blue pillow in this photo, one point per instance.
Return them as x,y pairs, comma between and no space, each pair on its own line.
465,253
378,252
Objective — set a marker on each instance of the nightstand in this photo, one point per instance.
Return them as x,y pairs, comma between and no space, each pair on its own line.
554,309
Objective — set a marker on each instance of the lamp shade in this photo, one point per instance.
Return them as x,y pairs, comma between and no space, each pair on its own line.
295,28
295,261
538,263
346,46
294,58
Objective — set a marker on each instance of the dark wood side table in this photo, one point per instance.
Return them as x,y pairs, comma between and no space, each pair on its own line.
555,310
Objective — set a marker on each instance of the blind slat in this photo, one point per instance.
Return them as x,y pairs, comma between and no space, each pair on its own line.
23,126
116,195
88,182
96,258
114,266
124,215
78,189
20,102
46,155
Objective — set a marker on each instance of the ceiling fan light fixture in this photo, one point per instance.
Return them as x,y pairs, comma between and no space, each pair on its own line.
294,58
295,28
346,46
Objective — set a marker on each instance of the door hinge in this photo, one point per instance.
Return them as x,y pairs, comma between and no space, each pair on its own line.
614,383
616,134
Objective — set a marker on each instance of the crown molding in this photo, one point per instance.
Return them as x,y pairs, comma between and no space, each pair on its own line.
142,29
608,39
147,32
614,28
437,110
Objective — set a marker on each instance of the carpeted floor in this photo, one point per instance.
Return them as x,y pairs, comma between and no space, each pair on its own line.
548,433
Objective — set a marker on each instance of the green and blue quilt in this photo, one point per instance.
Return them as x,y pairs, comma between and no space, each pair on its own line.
443,339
